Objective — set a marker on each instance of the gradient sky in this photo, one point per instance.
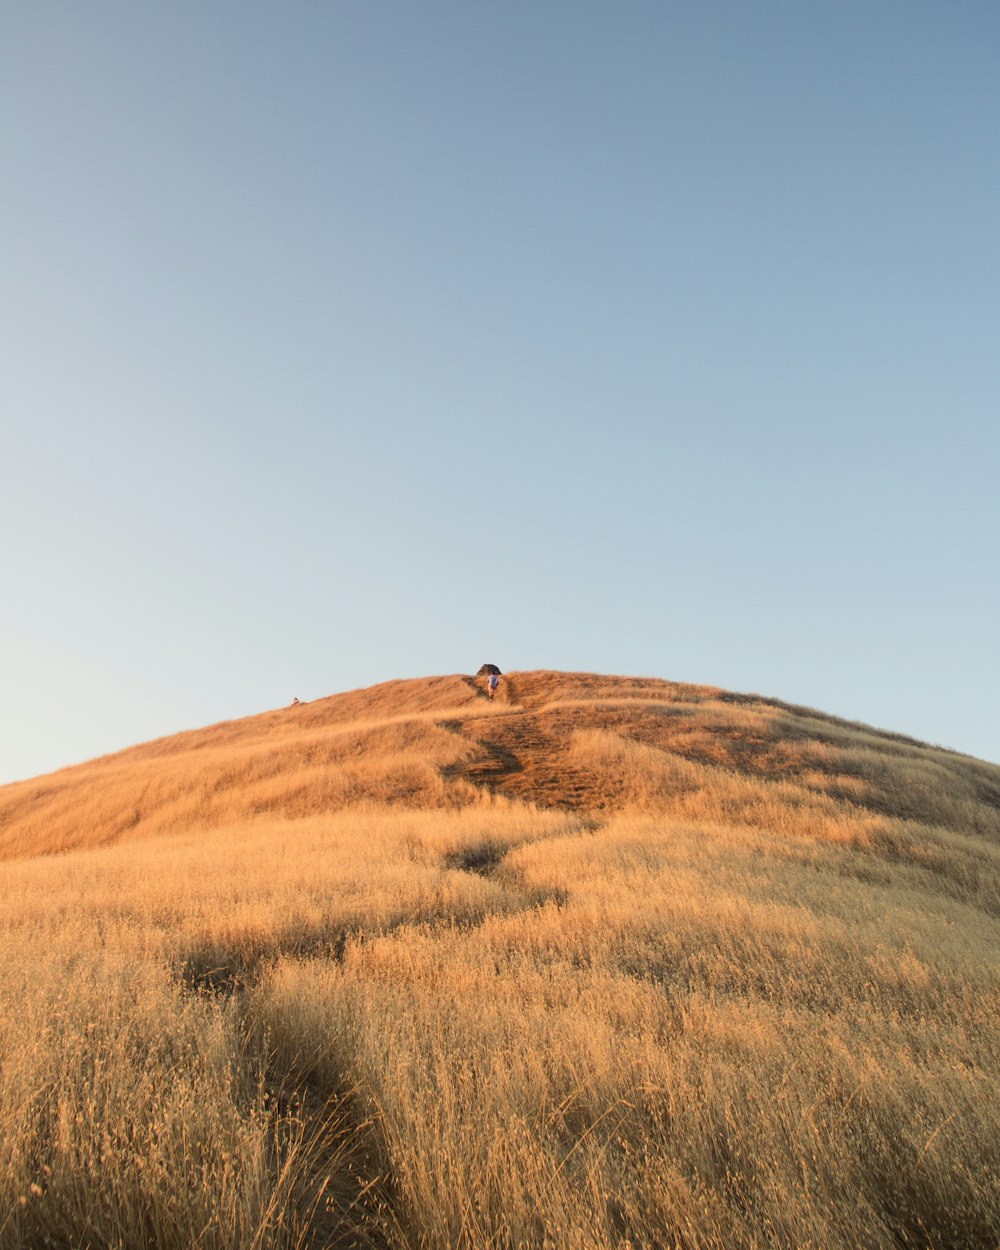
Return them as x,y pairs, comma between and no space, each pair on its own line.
350,341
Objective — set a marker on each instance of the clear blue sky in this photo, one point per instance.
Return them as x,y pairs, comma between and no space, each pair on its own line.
349,341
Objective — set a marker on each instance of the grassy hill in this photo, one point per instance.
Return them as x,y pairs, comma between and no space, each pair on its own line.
607,962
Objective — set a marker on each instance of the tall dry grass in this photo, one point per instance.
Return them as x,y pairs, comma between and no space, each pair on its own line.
748,997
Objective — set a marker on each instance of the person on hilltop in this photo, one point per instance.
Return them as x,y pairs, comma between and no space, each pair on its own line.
492,675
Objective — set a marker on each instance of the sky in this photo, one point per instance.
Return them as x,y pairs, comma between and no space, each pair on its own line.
342,342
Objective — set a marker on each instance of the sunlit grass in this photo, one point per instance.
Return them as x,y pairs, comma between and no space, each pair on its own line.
352,992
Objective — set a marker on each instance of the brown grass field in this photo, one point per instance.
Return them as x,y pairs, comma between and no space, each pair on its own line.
606,963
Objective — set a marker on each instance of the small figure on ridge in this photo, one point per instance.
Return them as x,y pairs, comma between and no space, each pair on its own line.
492,674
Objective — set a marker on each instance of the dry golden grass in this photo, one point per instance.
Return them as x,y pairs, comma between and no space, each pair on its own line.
608,963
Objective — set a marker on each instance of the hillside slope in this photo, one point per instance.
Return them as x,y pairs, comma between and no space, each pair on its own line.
573,741
606,964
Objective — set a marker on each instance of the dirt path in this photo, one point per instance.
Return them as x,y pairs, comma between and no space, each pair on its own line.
526,753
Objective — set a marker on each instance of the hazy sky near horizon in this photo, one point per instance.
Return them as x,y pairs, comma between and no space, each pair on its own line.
350,341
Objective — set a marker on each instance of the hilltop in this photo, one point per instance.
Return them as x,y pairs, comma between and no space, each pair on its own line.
604,963
571,741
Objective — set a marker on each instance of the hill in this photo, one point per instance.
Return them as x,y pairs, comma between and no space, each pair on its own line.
571,741
606,962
